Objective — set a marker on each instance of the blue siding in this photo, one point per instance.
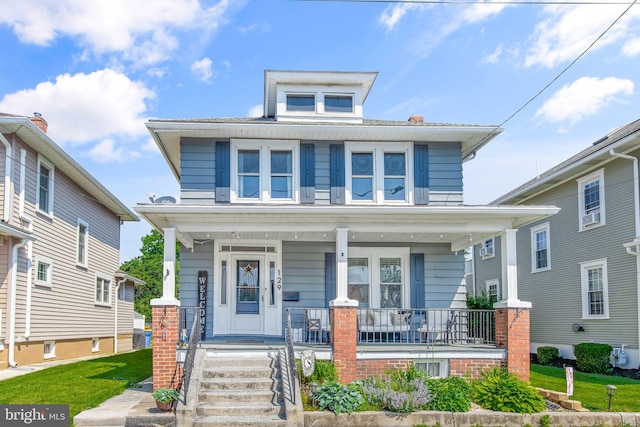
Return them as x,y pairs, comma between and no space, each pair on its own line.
445,167
197,166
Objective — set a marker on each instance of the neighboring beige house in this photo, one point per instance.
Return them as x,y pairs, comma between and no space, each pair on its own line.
61,294
581,267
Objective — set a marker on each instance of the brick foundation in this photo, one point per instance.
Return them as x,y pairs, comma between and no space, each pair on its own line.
471,367
512,332
165,339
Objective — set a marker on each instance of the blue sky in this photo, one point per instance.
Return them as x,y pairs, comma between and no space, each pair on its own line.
98,70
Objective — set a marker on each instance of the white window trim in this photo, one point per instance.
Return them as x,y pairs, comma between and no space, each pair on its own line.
373,254
319,91
86,243
52,353
95,283
265,147
493,249
584,279
378,171
48,165
444,365
597,175
534,232
40,259
491,282
95,345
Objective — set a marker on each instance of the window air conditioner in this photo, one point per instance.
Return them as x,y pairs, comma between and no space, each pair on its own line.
591,219
486,251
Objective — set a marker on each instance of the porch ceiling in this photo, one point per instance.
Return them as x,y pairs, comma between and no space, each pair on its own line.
458,226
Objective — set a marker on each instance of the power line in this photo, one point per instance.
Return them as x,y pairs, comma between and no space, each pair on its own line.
468,2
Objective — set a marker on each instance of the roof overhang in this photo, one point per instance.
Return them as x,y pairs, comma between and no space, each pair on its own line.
457,226
8,230
167,134
122,276
39,141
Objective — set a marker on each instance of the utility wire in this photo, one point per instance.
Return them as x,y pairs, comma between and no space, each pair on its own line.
467,2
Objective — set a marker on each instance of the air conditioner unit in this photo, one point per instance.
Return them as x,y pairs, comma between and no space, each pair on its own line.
486,251
591,219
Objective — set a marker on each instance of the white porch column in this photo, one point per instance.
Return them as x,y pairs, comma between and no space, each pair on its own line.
510,271
169,269
342,269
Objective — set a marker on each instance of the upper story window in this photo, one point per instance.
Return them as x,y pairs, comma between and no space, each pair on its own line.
338,103
595,289
265,171
378,175
540,260
487,249
301,102
82,248
45,180
591,200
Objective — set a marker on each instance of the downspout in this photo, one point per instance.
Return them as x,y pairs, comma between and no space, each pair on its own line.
12,300
7,179
633,248
115,320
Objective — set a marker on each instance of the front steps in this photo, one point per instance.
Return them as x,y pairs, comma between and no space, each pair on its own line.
240,390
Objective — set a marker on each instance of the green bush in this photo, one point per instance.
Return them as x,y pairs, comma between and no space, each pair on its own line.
546,355
339,398
452,394
593,357
498,390
484,301
323,371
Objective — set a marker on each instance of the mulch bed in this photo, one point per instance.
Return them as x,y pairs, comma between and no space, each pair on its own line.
618,372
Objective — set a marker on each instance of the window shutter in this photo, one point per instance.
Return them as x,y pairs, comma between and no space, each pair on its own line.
337,174
417,281
329,278
223,171
307,173
421,174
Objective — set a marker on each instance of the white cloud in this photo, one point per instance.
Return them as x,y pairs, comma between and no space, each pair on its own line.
106,151
493,57
202,69
81,108
569,30
585,97
256,111
143,34
150,146
632,47
392,14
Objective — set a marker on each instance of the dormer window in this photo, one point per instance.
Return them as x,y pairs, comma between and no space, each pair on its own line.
301,102
338,103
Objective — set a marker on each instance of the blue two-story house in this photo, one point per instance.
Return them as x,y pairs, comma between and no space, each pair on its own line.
313,205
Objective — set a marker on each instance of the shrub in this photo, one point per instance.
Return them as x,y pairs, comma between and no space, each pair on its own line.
451,394
499,390
546,355
484,301
593,357
324,370
406,396
339,398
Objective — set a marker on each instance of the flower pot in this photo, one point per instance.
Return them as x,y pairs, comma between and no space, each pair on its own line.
165,406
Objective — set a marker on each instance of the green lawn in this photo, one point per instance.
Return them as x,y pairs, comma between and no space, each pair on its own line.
82,385
590,389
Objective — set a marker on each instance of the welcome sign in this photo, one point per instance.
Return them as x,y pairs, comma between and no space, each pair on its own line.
203,283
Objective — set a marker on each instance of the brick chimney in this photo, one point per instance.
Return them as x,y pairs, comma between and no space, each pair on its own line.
416,118
39,121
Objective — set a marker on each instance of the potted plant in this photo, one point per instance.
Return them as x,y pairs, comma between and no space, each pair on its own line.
165,397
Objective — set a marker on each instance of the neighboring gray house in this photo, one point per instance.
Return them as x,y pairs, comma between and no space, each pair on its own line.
61,295
581,267
312,203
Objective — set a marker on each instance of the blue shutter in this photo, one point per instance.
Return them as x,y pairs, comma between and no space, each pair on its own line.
337,196
421,174
223,171
307,173
329,278
417,281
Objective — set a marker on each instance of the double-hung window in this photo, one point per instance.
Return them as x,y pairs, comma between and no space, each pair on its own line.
103,289
540,260
265,171
493,289
595,290
82,242
44,268
379,175
591,200
378,277
45,180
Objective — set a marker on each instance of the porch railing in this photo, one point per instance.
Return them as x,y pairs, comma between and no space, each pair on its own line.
291,360
190,337
432,326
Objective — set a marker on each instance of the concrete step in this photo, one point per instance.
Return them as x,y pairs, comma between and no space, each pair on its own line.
238,409
240,372
240,396
255,421
241,361
238,384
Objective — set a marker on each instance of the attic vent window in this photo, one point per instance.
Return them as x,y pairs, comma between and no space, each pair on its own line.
338,103
301,103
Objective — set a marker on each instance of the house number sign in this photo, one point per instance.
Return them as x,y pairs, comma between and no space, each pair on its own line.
203,280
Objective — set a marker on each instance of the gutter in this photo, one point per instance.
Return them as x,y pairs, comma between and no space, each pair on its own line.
633,248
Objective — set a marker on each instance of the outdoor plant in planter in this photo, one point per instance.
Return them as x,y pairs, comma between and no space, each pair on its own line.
165,397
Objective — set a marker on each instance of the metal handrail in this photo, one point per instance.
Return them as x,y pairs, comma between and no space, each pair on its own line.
194,343
291,360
